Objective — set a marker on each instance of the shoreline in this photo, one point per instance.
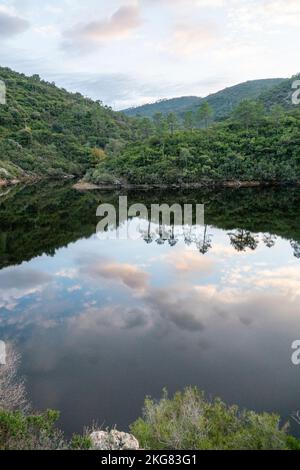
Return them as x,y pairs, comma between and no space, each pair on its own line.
82,185
86,186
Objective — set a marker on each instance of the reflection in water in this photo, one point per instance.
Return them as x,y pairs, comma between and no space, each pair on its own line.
100,324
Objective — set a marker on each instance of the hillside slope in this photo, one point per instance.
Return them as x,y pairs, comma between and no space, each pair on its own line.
47,131
222,102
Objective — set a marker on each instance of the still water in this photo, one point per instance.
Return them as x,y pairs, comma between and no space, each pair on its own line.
101,324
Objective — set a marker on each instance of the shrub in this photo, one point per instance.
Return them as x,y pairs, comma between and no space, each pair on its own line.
190,421
29,432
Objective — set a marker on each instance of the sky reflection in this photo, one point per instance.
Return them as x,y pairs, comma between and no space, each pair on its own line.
103,323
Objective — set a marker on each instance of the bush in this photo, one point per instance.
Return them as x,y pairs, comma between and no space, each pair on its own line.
19,431
97,176
189,421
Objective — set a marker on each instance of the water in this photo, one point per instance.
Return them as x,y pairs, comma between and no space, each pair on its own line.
101,324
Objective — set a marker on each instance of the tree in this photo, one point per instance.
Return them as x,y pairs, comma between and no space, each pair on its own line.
184,157
188,120
277,113
205,113
249,113
159,123
172,122
98,155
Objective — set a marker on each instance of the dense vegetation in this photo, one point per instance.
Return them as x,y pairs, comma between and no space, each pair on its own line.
47,131
189,421
222,102
36,431
253,145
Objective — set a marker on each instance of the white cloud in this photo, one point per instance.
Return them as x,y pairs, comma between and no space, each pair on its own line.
119,26
191,38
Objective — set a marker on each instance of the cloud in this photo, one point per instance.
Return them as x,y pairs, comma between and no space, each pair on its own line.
11,25
129,275
181,306
188,39
16,283
196,3
122,91
19,278
189,261
284,280
118,26
116,316
263,15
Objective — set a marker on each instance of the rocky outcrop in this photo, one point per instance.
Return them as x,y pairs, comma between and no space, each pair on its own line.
113,440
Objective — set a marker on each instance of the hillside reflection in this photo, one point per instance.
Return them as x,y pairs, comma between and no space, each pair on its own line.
39,219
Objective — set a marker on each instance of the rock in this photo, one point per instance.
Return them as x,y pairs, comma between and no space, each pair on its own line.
113,440
84,186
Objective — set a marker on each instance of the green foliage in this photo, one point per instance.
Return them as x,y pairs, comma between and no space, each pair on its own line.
19,431
251,146
47,131
293,443
189,421
205,113
79,442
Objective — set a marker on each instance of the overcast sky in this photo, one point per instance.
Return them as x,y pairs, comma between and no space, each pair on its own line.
129,52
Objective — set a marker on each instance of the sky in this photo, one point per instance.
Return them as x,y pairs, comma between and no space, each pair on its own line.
130,52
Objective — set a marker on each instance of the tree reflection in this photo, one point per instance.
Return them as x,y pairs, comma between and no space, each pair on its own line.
240,239
204,244
296,247
269,240
243,239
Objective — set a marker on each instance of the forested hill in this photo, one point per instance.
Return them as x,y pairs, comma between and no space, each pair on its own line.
47,131
222,102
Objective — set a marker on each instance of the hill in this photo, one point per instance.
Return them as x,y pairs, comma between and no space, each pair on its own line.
222,102
48,131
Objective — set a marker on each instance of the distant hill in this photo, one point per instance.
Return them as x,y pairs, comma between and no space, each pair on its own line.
48,131
222,102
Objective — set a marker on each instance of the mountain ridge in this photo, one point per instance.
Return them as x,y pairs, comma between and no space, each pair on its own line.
223,102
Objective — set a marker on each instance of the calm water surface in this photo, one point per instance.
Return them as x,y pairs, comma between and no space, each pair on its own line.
100,324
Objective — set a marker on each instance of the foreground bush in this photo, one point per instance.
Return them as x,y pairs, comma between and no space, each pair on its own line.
189,421
20,431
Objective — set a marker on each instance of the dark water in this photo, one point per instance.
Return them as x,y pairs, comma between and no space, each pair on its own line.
100,324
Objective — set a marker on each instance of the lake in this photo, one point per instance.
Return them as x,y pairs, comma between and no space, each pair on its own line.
100,324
